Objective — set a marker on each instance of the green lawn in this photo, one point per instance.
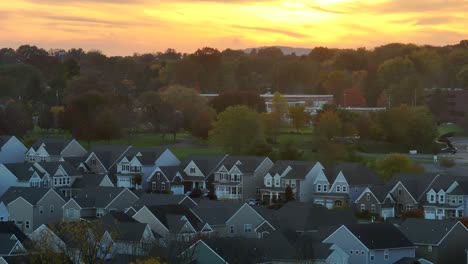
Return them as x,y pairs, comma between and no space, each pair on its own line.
182,153
445,129
138,140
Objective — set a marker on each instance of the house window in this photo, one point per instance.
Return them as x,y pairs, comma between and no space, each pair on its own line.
55,181
41,209
441,199
344,189
409,207
357,252
338,188
319,187
373,208
247,228
386,254
277,183
432,198
268,182
99,212
163,186
372,257
325,187
363,207
368,196
400,192
192,170
93,161
231,229
43,158
460,199
153,186
351,252
429,248
27,225
45,183
52,209
158,176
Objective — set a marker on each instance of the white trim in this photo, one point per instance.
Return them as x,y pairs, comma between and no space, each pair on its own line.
446,234
186,196
343,226
428,186
151,213
399,182
245,204
206,245
262,224
125,189
92,153
366,191
73,140
47,193
20,197
72,199
18,243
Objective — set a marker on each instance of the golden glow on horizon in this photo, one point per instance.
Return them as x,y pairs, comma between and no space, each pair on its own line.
127,26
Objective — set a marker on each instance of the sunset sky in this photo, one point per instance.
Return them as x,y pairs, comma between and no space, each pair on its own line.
122,27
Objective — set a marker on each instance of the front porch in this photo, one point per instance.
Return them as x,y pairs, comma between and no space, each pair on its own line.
228,192
331,201
191,185
441,213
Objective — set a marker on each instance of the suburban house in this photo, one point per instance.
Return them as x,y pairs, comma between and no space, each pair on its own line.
173,222
216,214
409,190
13,242
343,183
247,222
128,236
376,200
438,241
11,150
46,150
20,175
165,179
237,177
195,170
91,181
296,174
59,175
372,243
447,198
31,207
96,202
102,158
139,163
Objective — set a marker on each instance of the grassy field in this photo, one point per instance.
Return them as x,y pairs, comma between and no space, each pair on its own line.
138,140
182,153
445,129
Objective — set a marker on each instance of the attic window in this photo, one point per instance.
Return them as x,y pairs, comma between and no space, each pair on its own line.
192,170
93,161
368,196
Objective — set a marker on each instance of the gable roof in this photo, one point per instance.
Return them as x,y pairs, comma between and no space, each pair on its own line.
11,228
23,171
52,167
31,195
206,163
149,155
149,199
425,231
380,191
416,184
54,146
379,235
247,164
4,139
215,212
98,197
299,169
88,180
170,215
7,244
108,154
169,171
122,227
355,173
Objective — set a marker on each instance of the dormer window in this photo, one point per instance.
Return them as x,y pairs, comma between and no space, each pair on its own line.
158,176
400,192
192,170
325,187
368,196
441,198
344,189
43,158
93,161
338,188
277,182
319,187
268,182
432,198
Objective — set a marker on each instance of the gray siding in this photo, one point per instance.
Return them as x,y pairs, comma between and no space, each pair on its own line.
245,215
21,211
393,255
348,243
47,216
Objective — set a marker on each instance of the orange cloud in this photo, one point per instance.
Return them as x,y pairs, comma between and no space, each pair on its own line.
127,26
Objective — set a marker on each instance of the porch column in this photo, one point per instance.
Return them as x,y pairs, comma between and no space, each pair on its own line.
271,196
277,196
193,185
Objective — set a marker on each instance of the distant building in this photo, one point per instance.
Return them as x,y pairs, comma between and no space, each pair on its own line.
449,104
313,102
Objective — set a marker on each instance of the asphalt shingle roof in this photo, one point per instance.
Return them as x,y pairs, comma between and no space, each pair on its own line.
168,215
215,212
88,180
122,227
11,228
206,163
98,197
23,171
32,195
379,235
4,139
52,167
416,184
108,154
53,146
149,155
355,174
425,231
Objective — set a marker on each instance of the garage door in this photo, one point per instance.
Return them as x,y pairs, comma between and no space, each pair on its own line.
179,189
387,212
429,215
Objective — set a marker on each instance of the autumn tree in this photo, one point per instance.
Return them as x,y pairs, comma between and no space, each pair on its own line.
396,163
299,116
237,129
203,123
328,125
279,108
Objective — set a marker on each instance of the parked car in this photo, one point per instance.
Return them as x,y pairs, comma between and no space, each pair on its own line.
254,202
